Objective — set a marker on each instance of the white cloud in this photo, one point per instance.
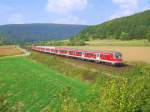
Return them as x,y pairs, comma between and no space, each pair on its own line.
127,4
70,20
65,6
16,18
126,7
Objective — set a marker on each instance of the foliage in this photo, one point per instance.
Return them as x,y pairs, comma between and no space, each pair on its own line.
124,36
2,40
65,102
117,42
71,42
76,42
148,35
130,94
52,43
136,26
121,96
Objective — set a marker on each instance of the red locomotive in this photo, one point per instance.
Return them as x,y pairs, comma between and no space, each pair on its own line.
112,57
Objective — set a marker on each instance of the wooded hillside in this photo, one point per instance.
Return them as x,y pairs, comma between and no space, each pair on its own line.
136,26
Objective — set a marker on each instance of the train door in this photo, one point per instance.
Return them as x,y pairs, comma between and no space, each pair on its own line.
98,57
82,57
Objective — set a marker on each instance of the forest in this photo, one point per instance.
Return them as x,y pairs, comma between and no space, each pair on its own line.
136,26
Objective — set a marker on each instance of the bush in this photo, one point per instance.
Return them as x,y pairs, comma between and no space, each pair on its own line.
123,96
148,36
124,36
2,40
65,102
74,42
129,94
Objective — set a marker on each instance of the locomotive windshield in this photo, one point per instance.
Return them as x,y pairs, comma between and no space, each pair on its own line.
117,55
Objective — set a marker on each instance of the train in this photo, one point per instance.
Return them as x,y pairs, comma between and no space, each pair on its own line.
107,57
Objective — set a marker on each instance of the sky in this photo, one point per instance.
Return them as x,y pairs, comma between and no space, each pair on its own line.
89,12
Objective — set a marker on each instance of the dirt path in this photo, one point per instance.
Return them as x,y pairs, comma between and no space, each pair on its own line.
24,53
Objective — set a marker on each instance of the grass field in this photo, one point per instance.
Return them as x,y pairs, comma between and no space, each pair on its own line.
31,86
9,50
114,42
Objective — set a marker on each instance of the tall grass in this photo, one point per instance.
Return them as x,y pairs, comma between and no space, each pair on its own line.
66,67
130,94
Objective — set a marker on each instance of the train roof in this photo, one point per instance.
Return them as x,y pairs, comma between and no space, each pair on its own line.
46,47
79,50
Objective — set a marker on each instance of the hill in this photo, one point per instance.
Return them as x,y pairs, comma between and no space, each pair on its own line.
136,26
21,33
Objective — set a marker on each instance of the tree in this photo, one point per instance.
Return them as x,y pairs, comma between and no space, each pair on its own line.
124,36
1,40
148,36
76,42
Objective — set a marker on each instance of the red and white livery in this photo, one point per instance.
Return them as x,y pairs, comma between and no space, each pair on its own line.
111,57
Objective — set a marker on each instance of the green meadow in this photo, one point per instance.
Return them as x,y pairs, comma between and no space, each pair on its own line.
33,87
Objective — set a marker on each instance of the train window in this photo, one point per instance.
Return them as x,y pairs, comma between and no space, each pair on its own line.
97,55
87,54
64,52
117,55
101,55
111,55
72,52
80,53
90,54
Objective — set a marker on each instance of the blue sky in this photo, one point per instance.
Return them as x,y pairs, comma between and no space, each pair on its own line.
67,11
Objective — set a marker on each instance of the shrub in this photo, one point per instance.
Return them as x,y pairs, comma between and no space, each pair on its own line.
124,36
65,102
2,40
74,42
127,94
148,36
116,95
